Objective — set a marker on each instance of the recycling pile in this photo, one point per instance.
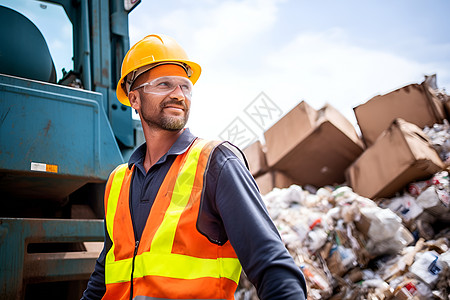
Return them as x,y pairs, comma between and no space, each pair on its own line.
354,247
439,136
350,247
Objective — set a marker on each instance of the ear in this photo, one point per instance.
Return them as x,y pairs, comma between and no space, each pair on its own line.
135,100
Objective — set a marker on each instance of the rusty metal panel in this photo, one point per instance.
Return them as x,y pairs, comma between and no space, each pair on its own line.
18,267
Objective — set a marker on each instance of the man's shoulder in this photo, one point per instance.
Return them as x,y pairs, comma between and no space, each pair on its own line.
225,151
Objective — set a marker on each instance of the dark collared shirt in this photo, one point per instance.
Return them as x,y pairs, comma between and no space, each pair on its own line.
232,209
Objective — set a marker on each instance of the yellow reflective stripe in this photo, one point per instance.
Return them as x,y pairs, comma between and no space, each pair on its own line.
113,199
230,268
165,235
118,271
180,267
183,266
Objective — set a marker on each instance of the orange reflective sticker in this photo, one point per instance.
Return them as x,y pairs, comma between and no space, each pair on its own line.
51,168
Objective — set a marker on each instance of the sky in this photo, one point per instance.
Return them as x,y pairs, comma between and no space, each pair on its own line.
261,58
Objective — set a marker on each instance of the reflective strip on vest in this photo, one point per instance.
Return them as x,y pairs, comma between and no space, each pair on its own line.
159,261
175,266
163,239
116,186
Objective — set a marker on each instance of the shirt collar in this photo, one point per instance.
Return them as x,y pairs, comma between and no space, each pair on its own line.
180,146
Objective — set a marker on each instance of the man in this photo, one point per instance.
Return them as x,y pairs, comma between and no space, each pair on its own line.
184,214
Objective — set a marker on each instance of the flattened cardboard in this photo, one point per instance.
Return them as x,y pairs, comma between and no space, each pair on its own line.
402,154
265,183
281,180
334,264
256,158
313,147
447,107
284,135
415,103
273,179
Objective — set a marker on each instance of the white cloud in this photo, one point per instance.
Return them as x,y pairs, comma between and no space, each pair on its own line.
318,67
209,30
230,27
326,67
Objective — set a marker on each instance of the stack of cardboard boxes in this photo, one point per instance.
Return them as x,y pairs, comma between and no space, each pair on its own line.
305,147
365,217
321,147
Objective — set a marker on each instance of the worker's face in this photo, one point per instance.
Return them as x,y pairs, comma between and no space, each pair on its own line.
161,111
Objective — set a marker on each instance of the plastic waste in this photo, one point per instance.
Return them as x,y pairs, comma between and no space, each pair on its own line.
427,267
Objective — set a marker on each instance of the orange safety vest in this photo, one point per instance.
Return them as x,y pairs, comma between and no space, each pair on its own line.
172,260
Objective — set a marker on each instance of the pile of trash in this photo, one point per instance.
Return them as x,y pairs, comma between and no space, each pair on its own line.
351,247
439,135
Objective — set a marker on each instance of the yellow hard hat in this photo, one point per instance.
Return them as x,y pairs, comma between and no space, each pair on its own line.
151,51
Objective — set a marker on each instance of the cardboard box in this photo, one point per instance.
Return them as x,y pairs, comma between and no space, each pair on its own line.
312,147
363,225
265,183
415,103
273,179
334,264
402,154
281,180
256,158
447,107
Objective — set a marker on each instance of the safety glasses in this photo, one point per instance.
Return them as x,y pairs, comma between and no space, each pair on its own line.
166,85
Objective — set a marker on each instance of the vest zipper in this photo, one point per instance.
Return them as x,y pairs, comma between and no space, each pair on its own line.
132,269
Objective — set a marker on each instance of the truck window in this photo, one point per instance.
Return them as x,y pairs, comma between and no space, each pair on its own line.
54,25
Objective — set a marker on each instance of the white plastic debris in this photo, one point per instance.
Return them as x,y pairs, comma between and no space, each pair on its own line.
427,267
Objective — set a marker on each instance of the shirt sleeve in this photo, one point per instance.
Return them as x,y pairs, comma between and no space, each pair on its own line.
251,232
96,287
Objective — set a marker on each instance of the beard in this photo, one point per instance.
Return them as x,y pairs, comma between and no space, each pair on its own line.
167,122
172,123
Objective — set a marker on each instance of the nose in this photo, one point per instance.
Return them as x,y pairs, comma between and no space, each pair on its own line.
177,93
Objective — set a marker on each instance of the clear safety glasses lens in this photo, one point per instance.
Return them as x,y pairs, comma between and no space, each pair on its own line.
166,85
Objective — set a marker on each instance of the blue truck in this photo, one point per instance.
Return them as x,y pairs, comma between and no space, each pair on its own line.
59,140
